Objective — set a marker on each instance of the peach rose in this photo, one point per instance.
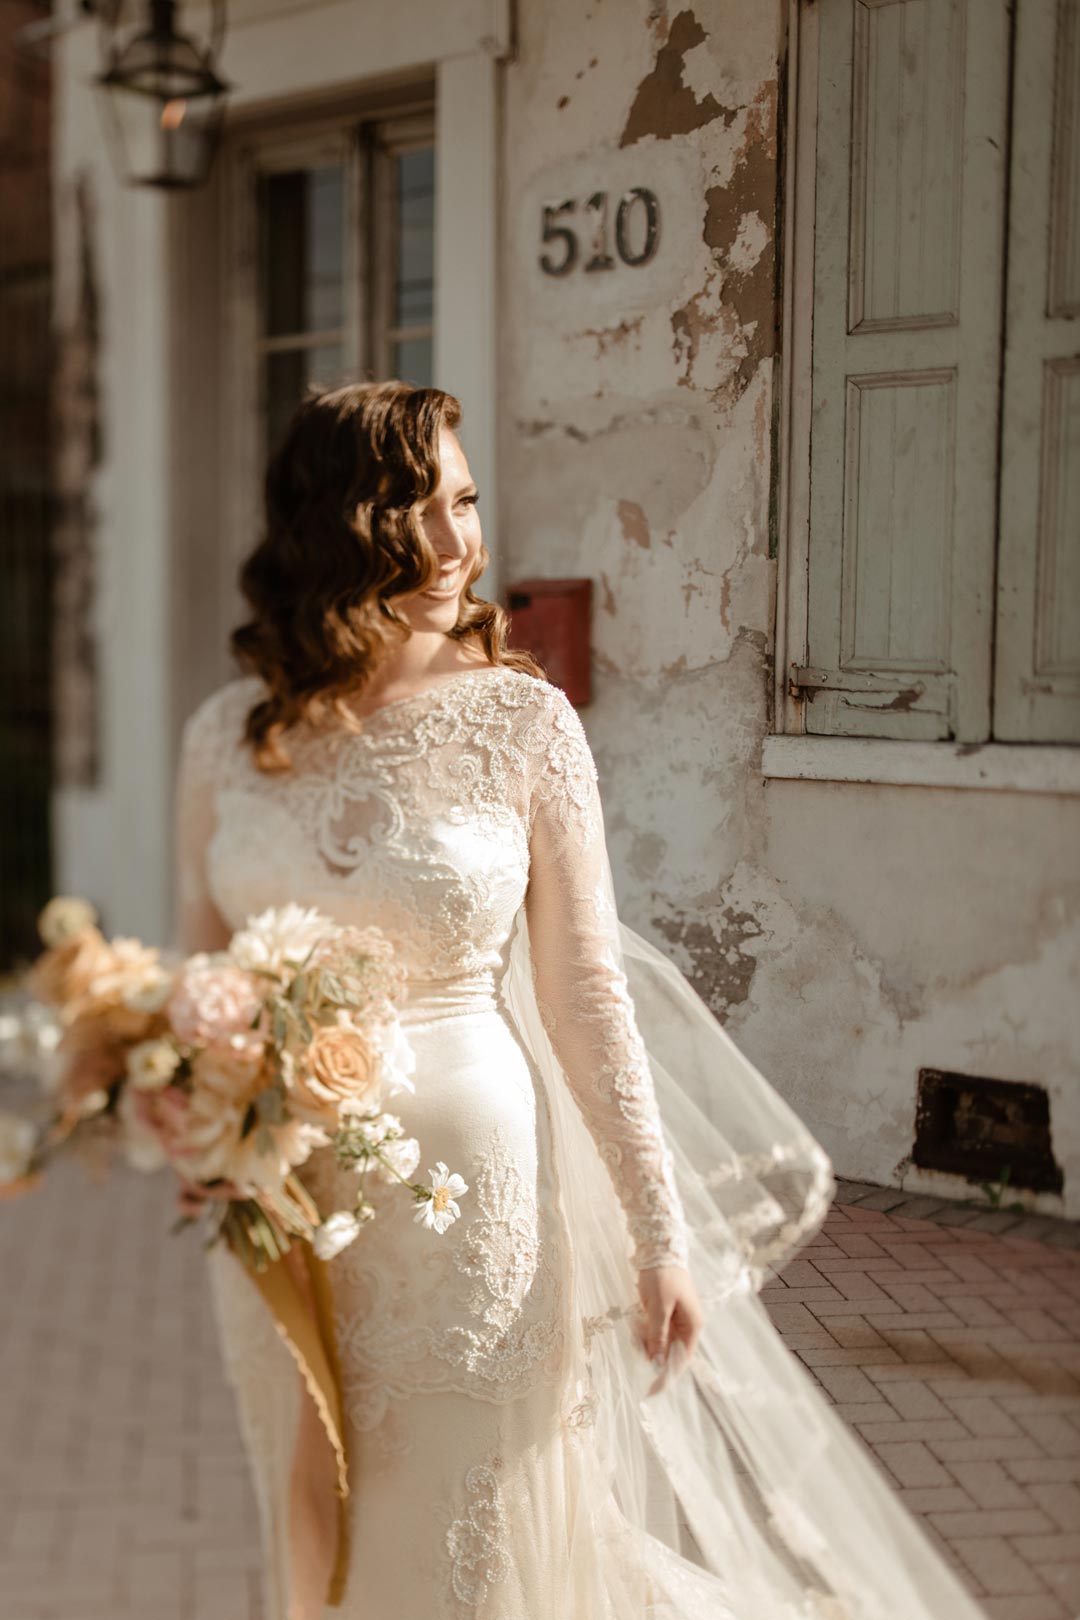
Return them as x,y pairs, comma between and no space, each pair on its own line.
339,1074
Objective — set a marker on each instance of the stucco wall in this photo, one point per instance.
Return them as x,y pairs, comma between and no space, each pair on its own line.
847,935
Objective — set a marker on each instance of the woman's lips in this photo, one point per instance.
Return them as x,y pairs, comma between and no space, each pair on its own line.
440,594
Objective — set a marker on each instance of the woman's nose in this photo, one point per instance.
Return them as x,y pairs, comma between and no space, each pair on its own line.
444,536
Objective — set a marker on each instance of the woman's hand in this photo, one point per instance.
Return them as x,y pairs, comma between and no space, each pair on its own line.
192,1196
672,1310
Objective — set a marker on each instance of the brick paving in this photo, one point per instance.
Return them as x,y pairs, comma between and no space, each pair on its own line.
124,1493
948,1338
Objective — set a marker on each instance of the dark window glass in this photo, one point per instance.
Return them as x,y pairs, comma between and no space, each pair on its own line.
286,376
412,361
415,282
303,249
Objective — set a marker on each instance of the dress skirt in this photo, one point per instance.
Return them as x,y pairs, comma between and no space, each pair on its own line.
464,1437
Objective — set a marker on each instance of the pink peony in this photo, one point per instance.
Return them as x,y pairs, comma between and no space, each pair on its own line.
212,1002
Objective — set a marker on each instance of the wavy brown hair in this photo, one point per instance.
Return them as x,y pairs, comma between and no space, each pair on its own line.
341,540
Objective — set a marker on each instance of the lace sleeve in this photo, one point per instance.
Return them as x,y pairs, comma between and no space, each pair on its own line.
582,995
197,923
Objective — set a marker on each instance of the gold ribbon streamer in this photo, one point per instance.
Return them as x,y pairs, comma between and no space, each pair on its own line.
296,1290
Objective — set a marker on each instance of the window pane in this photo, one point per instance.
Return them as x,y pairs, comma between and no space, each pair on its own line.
414,290
287,375
412,361
302,217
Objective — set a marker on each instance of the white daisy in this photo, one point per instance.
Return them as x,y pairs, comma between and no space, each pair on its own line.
439,1209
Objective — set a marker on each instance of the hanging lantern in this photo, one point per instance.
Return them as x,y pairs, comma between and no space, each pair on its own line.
164,100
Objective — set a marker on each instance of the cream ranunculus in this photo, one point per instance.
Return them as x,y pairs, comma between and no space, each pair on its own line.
152,1064
336,1233
63,918
17,1139
404,1156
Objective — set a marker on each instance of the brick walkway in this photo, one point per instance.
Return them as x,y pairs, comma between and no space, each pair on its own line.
949,1339
952,1349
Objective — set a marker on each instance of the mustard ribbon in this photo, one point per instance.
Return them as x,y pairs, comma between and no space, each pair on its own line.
297,1292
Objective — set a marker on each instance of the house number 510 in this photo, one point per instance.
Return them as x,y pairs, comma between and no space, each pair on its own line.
565,240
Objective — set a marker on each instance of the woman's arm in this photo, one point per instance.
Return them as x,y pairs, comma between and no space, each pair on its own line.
582,994
197,923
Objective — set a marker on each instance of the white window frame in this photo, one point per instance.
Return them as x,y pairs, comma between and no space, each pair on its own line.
367,332
789,752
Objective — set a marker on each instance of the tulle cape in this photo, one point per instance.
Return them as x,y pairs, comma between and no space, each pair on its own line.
734,1492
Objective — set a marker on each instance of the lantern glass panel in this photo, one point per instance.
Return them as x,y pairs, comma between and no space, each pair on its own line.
168,143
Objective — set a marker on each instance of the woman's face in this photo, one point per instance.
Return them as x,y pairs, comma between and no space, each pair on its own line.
452,525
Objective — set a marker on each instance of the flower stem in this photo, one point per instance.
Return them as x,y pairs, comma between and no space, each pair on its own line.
414,1187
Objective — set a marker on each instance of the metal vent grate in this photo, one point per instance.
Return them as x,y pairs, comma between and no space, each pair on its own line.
977,1128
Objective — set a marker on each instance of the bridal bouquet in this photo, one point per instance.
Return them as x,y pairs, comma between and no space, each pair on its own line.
232,1067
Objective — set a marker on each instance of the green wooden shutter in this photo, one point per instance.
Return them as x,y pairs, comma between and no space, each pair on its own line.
1037,675
906,344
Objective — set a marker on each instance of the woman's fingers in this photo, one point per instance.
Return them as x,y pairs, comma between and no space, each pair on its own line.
192,1197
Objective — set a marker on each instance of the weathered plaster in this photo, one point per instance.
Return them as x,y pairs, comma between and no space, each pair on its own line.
663,104
848,936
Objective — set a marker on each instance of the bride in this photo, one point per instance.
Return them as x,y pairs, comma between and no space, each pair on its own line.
571,1404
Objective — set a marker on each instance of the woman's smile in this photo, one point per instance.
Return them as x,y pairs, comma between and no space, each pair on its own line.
449,584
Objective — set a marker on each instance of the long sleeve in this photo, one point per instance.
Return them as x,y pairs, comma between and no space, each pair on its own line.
197,923
581,989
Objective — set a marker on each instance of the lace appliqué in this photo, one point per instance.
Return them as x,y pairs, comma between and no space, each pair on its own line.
436,822
502,1247
479,1541
480,1310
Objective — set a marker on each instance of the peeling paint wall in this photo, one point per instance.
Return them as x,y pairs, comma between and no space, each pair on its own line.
847,935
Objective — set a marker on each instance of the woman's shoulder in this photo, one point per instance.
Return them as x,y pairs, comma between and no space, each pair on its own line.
561,763
541,697
216,724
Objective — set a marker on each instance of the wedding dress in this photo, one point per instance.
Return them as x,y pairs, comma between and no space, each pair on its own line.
506,1459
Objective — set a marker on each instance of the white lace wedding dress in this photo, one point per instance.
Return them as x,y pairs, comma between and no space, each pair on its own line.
505,1463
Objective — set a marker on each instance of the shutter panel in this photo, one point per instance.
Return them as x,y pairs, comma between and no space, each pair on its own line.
1037,678
912,101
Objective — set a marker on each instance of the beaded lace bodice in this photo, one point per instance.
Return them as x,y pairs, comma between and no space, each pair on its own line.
445,814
